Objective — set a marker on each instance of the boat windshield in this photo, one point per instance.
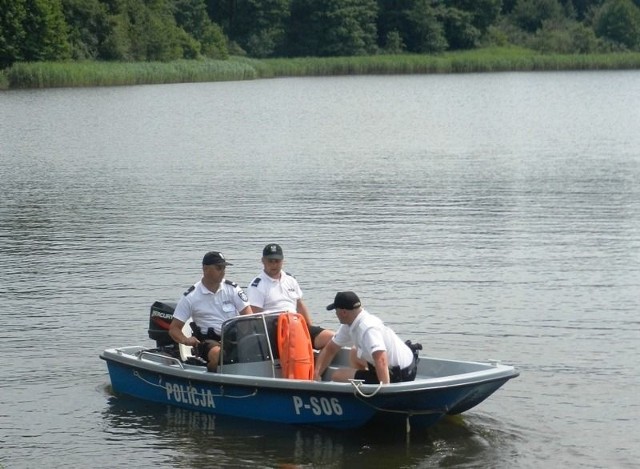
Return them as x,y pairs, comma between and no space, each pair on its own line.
249,338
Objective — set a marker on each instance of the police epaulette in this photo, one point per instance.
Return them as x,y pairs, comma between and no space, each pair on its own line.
229,282
290,275
255,282
191,288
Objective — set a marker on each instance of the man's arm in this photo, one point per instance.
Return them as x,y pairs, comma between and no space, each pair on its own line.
175,331
302,309
324,358
382,366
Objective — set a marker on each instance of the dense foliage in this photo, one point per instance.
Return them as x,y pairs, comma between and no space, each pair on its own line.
165,30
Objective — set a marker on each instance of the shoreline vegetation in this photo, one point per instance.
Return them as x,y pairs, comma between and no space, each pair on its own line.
498,59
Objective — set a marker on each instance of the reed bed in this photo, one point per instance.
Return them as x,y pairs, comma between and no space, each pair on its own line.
77,74
57,74
484,60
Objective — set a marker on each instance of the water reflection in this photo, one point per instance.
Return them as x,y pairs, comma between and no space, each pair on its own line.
178,437
181,435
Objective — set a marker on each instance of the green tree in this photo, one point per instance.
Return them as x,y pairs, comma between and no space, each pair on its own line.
415,21
459,30
569,38
333,27
213,43
392,20
393,43
619,21
117,43
508,6
192,17
530,14
12,32
582,7
484,12
146,30
223,13
259,26
89,27
425,32
36,31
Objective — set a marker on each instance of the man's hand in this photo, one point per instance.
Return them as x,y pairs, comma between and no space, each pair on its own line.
191,341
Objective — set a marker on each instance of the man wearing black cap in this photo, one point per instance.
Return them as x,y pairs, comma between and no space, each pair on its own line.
380,355
276,290
208,303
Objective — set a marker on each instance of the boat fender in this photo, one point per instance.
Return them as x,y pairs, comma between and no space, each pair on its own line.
295,347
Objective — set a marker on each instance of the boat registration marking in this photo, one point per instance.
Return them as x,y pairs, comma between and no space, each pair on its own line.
317,405
198,397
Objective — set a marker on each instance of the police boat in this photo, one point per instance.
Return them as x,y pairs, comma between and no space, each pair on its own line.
266,373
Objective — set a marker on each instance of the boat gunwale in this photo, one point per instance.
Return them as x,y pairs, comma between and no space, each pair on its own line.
126,356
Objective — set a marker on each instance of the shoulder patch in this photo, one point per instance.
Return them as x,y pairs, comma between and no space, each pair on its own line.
255,282
191,288
229,282
243,295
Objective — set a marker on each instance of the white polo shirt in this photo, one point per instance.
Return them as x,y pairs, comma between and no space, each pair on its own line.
209,309
369,334
272,294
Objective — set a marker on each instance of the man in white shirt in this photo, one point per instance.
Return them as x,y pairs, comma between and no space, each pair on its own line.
276,290
380,355
208,303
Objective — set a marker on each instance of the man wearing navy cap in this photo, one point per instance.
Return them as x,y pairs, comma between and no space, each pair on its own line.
209,303
276,290
380,355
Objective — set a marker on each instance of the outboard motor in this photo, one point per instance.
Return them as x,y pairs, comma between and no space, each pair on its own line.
160,318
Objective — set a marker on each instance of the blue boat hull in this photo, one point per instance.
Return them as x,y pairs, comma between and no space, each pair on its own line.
335,405
250,382
252,402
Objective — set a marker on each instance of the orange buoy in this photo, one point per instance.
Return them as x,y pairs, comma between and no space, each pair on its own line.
294,347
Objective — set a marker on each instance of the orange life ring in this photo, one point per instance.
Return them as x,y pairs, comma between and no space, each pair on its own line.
294,347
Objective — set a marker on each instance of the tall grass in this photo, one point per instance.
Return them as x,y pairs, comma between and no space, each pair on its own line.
57,74
482,60
76,74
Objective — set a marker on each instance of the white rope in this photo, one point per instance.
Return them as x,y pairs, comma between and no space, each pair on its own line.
408,413
358,382
222,394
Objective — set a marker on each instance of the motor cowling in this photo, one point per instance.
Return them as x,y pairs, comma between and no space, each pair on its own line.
160,316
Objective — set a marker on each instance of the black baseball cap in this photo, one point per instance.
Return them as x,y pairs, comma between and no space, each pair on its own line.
214,258
345,300
273,251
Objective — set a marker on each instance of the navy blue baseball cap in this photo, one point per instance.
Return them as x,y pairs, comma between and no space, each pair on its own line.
273,251
345,300
214,258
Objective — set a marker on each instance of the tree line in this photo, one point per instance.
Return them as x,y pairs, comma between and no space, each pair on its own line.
165,30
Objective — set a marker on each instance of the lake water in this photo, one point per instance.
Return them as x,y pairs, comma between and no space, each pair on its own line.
487,216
